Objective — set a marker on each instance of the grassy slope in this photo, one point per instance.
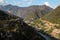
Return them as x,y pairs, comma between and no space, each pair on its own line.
53,16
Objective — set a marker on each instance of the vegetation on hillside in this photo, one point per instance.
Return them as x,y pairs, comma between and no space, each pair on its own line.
53,16
49,22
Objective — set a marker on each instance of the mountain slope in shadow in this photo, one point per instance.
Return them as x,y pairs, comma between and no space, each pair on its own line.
13,28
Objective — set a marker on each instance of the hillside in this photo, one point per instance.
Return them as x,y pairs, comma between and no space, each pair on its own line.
53,16
13,28
50,23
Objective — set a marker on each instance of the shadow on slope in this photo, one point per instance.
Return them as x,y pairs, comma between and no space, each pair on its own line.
13,28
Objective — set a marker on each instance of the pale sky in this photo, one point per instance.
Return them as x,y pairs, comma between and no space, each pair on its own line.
25,3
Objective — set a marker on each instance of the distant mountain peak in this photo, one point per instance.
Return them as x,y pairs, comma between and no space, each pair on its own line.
8,5
23,12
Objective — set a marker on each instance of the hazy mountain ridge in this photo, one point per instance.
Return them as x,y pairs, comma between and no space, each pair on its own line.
34,11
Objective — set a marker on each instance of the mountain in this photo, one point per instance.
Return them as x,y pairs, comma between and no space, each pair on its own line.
10,8
30,12
53,16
